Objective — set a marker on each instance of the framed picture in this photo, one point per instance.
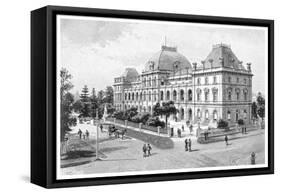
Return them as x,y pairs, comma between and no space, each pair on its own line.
125,96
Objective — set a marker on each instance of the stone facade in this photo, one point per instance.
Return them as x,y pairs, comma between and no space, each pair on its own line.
219,87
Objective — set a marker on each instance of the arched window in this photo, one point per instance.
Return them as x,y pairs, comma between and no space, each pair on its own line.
125,96
206,91
161,95
228,115
198,113
133,96
137,96
162,82
144,82
206,114
229,95
189,95
237,79
168,95
129,96
154,96
149,96
215,115
149,81
154,81
245,91
214,79
237,95
174,95
182,95
198,81
149,109
140,95
206,80
198,94
182,114
229,79
215,94
144,96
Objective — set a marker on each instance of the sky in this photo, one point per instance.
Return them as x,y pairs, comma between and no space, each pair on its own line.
96,50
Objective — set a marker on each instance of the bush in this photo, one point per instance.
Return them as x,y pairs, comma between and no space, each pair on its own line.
155,122
119,115
240,122
140,118
222,124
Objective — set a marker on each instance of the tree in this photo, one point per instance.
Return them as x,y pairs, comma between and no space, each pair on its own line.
94,103
100,97
254,110
108,98
67,100
166,109
84,97
77,106
260,106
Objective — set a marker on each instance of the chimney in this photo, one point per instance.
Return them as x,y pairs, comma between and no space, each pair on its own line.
249,67
194,66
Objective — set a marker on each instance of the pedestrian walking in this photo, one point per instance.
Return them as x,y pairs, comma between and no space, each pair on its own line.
226,140
172,132
149,148
186,145
182,127
144,149
101,128
80,133
245,131
253,158
87,134
189,145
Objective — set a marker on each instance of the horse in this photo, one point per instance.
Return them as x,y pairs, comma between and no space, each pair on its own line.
121,132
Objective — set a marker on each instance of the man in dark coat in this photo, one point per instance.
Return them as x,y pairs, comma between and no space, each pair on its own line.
186,144
101,127
87,134
80,133
144,149
189,144
226,140
149,148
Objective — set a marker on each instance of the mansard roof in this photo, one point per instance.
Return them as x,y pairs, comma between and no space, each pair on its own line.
222,56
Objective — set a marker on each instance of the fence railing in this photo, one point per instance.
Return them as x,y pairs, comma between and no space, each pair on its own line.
137,125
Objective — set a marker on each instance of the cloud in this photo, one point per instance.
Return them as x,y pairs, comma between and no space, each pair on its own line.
84,32
97,51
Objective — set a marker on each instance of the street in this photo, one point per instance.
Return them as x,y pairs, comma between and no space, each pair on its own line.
126,155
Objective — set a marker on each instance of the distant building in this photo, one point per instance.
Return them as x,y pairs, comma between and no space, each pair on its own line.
219,87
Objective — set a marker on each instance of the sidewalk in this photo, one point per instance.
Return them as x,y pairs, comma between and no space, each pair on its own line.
138,129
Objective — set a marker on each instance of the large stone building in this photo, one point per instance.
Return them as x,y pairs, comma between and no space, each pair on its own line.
219,87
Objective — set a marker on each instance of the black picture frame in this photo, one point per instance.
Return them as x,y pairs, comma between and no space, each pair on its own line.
43,95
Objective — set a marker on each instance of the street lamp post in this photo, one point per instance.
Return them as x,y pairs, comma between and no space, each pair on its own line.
97,138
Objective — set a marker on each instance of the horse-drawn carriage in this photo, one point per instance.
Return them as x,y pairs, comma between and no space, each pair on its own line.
112,130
